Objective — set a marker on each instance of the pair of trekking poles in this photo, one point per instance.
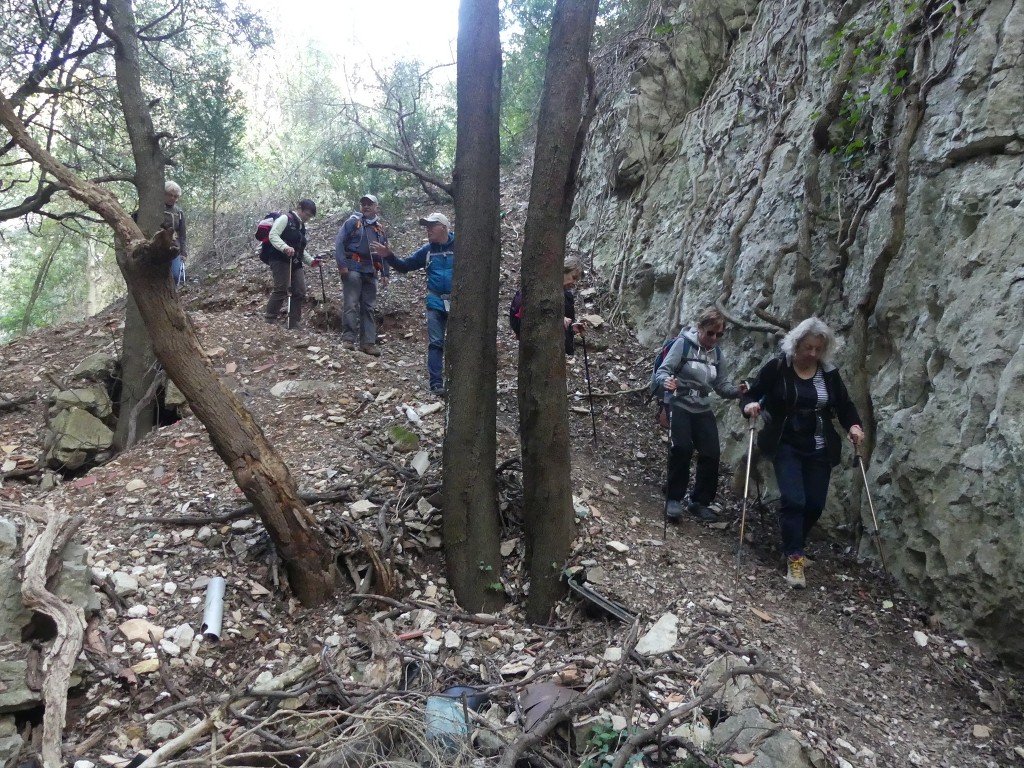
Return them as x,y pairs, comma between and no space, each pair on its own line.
859,461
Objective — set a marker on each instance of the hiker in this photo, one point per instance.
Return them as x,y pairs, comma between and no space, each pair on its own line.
572,273
438,258
285,252
358,269
174,219
798,393
692,368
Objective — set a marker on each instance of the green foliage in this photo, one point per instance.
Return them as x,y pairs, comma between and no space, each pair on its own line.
50,274
879,75
601,745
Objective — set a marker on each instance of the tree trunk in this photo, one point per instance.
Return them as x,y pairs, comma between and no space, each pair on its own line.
547,495
471,535
138,369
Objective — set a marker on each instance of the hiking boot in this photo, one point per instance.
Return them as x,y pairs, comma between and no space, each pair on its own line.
674,510
702,513
439,390
795,572
370,349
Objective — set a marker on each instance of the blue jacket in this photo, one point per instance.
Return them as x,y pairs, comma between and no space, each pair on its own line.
439,261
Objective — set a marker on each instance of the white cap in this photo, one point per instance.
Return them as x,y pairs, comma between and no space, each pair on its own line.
436,218
371,198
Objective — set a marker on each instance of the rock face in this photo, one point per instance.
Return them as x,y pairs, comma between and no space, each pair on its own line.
863,162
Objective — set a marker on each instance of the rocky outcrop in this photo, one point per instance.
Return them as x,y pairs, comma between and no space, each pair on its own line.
862,161
82,419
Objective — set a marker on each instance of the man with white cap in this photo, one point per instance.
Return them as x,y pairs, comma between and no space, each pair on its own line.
437,257
358,268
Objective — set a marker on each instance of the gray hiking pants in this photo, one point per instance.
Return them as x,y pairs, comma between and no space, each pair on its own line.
360,325
279,296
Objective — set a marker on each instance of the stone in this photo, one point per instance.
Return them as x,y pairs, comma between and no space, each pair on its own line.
295,388
174,397
159,731
920,638
982,731
659,638
404,439
76,433
617,546
124,584
99,367
8,538
740,692
95,400
139,630
744,730
146,666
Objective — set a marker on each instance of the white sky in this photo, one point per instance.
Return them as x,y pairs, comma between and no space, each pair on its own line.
350,32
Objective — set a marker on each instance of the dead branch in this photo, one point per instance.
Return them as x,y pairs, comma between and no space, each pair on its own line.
444,186
70,623
558,715
191,735
340,494
475,618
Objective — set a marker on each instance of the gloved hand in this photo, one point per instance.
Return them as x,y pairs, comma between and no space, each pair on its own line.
315,263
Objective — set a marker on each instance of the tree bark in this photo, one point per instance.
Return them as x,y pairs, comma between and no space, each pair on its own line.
547,492
70,623
471,534
145,264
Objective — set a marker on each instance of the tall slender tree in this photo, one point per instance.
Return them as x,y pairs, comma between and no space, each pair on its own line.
547,491
470,490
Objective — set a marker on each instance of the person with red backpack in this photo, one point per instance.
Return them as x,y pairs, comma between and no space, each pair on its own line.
693,367
284,251
358,268
572,273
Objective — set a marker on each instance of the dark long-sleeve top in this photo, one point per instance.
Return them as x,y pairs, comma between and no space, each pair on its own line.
790,416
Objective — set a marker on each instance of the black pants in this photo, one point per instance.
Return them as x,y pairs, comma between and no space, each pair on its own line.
689,432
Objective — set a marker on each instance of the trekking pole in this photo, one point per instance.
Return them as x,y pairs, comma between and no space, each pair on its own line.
746,489
288,320
667,399
323,290
590,392
871,506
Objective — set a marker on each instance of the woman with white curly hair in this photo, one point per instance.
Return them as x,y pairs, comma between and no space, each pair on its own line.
798,393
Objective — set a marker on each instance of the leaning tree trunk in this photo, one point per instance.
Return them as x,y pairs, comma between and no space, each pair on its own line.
547,490
145,264
471,535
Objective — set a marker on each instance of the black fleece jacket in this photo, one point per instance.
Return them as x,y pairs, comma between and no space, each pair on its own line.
775,389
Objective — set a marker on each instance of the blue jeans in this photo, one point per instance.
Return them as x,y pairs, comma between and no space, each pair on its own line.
437,323
803,485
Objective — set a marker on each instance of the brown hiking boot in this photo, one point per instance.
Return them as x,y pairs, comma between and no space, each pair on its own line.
370,349
795,572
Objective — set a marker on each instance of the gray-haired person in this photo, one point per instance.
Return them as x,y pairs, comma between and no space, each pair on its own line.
174,219
798,393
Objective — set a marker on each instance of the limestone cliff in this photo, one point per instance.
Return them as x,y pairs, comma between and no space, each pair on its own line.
863,161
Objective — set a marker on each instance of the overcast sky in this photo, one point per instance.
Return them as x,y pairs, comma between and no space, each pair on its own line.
350,31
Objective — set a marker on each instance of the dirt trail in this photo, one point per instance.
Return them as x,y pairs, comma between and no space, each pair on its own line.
864,690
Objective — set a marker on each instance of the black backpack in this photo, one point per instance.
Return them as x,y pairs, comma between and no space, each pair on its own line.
263,228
